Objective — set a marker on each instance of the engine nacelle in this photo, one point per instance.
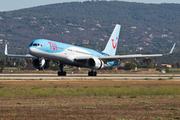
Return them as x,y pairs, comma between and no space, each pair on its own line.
95,63
40,64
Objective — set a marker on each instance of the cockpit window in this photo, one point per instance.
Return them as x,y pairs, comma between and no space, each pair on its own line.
35,44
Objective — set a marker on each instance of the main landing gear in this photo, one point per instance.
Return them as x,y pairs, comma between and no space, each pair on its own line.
61,72
92,73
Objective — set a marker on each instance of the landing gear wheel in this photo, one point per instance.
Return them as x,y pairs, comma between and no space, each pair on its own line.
95,73
92,73
61,73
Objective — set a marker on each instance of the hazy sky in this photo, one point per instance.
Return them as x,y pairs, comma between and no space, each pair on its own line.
7,5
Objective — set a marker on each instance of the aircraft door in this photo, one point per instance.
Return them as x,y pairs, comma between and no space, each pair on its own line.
47,47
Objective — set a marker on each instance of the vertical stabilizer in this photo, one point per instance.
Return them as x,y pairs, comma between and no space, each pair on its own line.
111,46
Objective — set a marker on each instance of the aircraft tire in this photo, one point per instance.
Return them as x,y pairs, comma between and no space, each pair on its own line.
89,73
61,73
92,73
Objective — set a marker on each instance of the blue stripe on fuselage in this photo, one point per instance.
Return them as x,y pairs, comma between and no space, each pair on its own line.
56,47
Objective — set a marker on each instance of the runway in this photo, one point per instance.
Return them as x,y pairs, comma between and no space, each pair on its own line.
84,76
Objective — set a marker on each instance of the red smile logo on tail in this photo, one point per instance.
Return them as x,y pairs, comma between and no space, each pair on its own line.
114,46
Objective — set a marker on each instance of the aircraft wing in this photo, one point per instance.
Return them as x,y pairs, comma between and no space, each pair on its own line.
19,56
126,57
120,57
131,57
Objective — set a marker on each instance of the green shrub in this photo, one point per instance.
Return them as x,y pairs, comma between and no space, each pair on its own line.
85,87
119,96
19,103
133,96
170,78
161,79
169,113
36,87
144,102
125,119
168,108
101,104
40,106
120,105
89,107
63,106
167,70
158,119
117,86
178,117
158,69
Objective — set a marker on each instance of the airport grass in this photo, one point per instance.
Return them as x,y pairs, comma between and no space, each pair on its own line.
38,91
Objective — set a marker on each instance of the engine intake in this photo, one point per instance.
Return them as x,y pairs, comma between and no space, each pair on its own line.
40,64
95,63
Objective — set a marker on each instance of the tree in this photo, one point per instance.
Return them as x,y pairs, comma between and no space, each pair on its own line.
148,61
2,64
129,66
22,63
167,69
177,64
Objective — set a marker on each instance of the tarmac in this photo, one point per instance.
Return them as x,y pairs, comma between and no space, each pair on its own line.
85,76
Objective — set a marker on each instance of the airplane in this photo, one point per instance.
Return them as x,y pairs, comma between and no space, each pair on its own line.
43,51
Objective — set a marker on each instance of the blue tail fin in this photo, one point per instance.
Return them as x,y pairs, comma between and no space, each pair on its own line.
111,46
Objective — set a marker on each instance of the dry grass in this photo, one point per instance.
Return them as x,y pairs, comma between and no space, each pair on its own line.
90,107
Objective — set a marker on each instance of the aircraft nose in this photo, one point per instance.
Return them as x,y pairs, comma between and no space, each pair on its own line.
30,50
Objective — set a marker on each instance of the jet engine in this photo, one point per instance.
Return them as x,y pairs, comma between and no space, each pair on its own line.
95,63
41,64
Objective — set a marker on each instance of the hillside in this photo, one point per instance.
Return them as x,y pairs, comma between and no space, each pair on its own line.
146,28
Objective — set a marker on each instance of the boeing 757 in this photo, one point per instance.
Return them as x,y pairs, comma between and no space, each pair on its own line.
43,51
